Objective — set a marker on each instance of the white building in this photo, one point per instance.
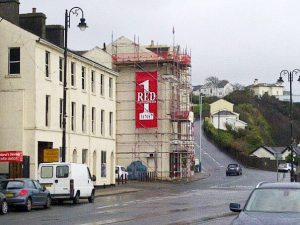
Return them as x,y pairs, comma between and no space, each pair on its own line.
219,90
222,114
259,89
31,92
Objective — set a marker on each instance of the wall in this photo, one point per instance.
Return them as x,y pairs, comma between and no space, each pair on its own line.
220,105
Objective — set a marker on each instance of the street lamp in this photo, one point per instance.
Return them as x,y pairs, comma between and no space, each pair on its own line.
200,132
82,26
290,75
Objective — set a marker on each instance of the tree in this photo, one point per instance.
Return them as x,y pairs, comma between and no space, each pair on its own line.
237,86
212,80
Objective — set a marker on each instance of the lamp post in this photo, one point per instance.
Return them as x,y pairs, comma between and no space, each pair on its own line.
200,132
82,26
290,75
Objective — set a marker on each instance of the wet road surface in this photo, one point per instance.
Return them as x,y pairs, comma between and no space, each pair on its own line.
199,202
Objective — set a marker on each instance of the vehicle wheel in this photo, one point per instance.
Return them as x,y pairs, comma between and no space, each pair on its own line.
76,198
48,203
92,197
28,205
4,208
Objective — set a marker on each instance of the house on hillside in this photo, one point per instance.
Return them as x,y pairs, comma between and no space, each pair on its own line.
197,90
270,152
220,90
259,89
222,114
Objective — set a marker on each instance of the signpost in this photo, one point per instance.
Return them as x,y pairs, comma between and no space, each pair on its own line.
51,155
277,156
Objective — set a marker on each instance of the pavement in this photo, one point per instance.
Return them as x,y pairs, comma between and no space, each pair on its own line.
136,186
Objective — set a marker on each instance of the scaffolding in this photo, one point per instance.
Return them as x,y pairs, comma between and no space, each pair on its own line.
172,141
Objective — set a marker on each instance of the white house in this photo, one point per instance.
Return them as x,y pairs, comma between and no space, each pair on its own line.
220,90
270,152
221,114
31,96
259,89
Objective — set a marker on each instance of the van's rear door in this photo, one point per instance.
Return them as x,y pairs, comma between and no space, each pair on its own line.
62,180
47,176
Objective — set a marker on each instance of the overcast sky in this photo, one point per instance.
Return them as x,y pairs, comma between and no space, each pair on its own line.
237,40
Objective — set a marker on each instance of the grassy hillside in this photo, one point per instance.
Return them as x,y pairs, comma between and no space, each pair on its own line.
267,118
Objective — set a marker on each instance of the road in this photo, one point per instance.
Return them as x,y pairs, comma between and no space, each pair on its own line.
199,202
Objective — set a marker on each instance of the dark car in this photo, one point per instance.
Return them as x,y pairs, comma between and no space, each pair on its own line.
3,204
270,204
233,169
25,193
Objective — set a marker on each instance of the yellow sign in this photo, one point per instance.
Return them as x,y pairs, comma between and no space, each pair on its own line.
51,155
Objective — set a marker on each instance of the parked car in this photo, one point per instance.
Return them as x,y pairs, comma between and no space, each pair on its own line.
67,181
286,167
233,169
3,204
269,204
25,193
121,171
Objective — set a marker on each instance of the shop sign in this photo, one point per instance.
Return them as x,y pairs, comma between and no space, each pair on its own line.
11,156
51,155
146,99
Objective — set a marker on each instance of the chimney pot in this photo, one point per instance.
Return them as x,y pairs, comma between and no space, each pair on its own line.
33,10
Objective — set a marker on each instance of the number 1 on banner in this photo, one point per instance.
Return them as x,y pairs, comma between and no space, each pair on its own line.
146,115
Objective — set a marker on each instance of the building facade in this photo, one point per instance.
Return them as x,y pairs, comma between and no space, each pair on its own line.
259,89
31,93
168,148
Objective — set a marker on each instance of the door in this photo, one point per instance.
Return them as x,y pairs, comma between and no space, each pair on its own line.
42,195
89,186
62,180
35,194
47,176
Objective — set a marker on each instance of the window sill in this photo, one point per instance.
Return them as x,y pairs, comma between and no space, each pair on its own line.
93,93
84,91
13,76
48,79
73,87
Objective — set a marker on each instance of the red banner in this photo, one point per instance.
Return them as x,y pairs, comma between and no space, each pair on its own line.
146,99
11,156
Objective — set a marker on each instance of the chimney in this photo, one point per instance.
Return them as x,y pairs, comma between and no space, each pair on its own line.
55,34
152,43
34,22
104,47
9,10
255,81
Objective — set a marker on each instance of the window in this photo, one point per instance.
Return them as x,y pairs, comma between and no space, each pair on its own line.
110,87
73,74
14,61
103,163
83,78
83,118
102,122
110,123
47,112
37,185
61,62
93,120
47,64
102,85
73,116
62,171
30,185
46,172
84,155
61,102
93,81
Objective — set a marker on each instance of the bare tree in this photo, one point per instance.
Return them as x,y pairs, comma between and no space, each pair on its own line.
237,86
212,80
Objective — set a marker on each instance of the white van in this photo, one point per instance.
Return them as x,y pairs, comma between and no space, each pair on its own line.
67,181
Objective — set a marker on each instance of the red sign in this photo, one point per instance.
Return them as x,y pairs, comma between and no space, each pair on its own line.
146,99
11,156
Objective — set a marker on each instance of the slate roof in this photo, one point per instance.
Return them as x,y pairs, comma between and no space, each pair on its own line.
223,113
222,83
